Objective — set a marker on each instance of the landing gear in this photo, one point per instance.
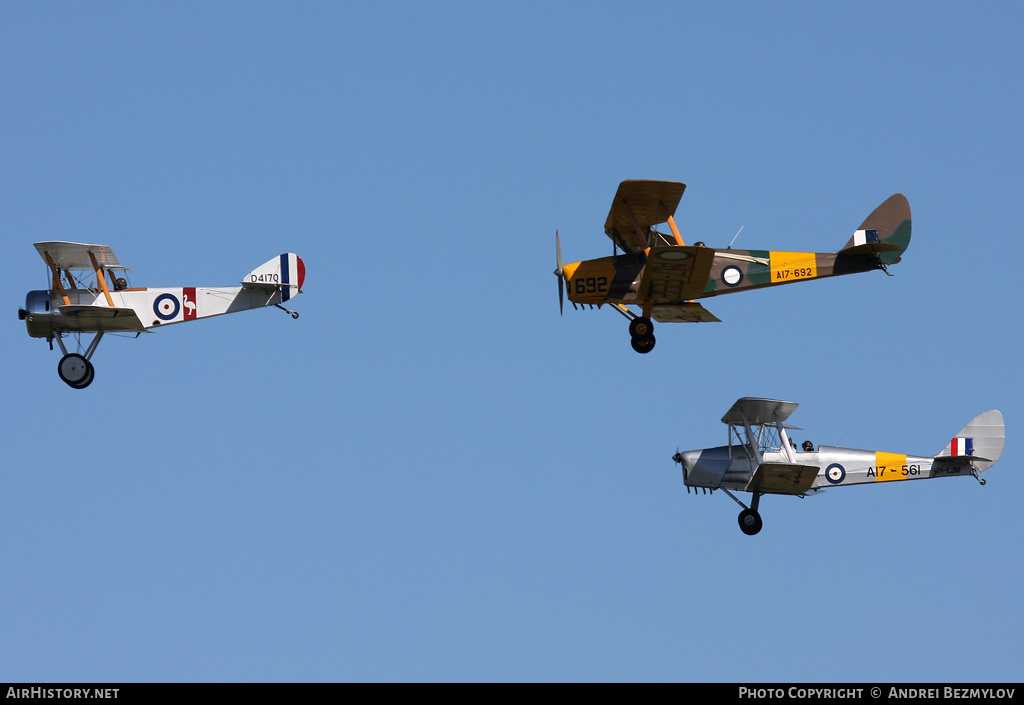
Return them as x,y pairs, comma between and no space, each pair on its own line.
640,327
76,371
295,314
641,332
643,345
750,521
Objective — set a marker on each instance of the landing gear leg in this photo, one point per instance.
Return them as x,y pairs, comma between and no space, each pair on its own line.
981,480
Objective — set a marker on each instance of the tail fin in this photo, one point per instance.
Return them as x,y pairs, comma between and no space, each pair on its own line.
980,441
886,232
286,272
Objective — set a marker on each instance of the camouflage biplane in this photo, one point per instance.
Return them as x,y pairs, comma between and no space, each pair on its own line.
662,276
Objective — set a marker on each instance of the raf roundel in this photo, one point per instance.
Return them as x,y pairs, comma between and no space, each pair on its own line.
732,275
835,473
166,307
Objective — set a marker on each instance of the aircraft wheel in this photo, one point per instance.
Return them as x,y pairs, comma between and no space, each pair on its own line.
643,345
750,522
75,370
88,377
641,327
295,314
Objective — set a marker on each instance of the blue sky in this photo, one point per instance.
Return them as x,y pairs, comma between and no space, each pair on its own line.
430,475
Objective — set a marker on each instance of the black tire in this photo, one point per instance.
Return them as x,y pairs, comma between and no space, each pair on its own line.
74,369
750,522
643,345
88,377
641,327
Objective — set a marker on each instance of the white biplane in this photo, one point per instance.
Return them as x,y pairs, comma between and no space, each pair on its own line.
98,306
761,459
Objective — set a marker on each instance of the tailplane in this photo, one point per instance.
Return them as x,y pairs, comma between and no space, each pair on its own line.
980,442
885,233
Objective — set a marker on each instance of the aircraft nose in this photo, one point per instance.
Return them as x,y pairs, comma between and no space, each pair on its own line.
688,459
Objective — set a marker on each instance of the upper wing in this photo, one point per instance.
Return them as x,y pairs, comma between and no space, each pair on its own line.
759,412
641,205
75,255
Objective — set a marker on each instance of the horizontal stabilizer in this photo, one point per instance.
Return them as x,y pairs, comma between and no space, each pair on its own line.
980,442
783,478
690,312
872,248
973,459
103,318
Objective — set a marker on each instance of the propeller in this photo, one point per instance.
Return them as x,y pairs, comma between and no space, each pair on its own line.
678,457
558,273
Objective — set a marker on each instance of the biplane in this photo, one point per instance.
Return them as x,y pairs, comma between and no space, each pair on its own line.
90,294
664,277
761,459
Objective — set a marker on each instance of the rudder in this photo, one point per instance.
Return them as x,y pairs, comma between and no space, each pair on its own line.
982,438
286,271
886,232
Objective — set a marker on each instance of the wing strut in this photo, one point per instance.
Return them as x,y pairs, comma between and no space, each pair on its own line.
636,226
56,279
101,280
751,443
675,231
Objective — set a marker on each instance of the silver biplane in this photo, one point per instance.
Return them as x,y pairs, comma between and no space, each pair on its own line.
75,306
761,459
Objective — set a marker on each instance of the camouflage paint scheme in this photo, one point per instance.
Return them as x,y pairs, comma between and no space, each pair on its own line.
664,279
